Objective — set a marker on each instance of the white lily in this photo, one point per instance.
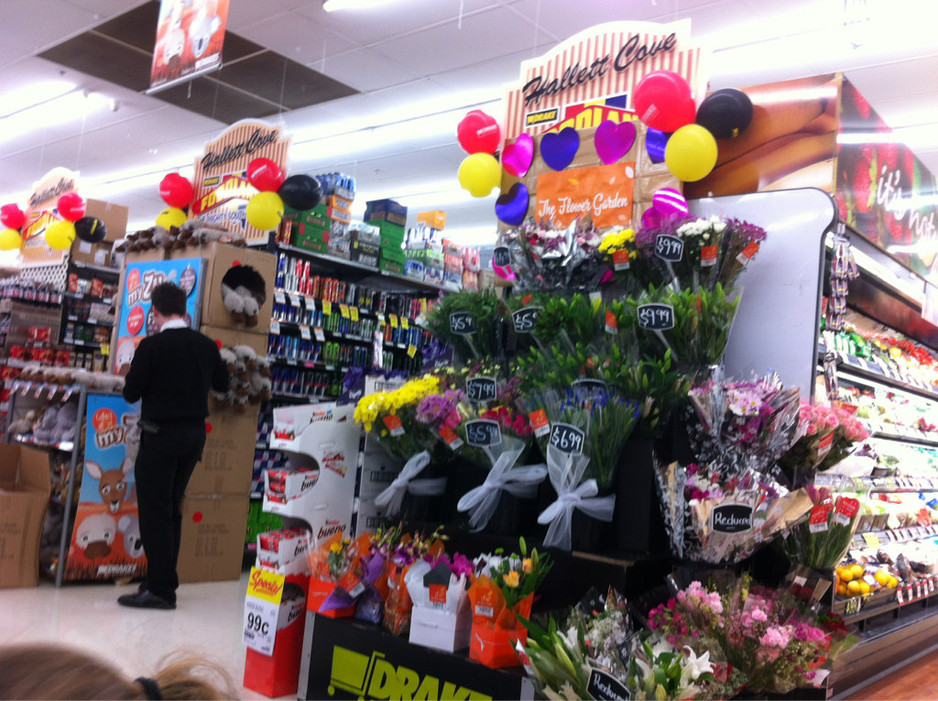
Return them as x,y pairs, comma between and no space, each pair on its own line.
695,666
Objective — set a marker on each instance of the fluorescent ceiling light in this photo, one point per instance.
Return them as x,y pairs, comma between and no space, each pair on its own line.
473,236
25,96
333,5
65,109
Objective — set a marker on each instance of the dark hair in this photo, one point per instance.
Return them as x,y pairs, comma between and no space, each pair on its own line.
169,299
48,671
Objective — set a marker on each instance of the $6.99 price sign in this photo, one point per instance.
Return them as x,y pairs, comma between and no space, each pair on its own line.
261,609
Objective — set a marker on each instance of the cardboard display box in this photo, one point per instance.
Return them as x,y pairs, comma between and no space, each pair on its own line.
220,260
386,210
114,216
309,237
212,545
227,463
24,495
92,253
255,337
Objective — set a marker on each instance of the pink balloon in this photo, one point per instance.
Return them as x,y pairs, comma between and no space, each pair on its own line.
517,157
669,202
71,206
12,216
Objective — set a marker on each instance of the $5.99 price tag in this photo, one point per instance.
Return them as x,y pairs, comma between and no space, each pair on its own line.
261,609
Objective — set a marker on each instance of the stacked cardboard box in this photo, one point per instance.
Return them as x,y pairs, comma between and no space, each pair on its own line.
25,488
365,243
215,509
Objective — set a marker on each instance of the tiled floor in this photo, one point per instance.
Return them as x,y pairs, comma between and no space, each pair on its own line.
207,621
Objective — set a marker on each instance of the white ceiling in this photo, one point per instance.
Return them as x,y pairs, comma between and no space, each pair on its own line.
420,65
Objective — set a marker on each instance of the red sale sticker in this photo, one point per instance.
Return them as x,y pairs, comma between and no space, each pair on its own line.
135,320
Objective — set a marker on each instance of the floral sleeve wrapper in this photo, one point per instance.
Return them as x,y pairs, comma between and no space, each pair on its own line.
441,616
495,626
336,581
482,501
407,482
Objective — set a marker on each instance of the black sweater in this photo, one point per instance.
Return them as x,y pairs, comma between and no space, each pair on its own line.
172,372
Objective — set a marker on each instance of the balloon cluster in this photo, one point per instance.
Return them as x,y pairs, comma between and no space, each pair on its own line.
60,234
264,210
664,103
479,134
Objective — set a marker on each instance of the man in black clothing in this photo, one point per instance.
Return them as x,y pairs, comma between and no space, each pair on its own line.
171,372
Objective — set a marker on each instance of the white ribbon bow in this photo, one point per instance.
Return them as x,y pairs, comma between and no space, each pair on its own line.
566,470
482,501
393,496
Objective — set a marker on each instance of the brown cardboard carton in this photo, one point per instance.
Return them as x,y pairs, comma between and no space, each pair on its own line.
24,495
220,260
92,253
114,216
212,543
227,462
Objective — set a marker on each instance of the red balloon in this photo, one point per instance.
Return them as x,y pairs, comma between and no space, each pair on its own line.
71,206
12,216
663,101
478,132
176,191
265,175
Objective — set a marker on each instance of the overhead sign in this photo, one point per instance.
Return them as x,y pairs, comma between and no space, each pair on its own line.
222,189
591,76
41,212
189,39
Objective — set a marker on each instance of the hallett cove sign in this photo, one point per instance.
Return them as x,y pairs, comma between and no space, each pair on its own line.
592,75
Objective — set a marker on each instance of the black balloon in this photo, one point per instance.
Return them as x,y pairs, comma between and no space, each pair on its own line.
725,113
300,192
90,229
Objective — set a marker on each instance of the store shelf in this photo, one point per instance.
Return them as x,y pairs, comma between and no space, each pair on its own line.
876,484
865,369
302,301
92,322
84,344
65,446
294,327
95,268
92,298
307,364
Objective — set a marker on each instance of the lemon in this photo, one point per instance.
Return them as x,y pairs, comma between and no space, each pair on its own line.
842,589
857,571
893,583
844,573
853,587
882,577
864,587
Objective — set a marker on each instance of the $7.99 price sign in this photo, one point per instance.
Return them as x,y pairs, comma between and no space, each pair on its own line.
261,609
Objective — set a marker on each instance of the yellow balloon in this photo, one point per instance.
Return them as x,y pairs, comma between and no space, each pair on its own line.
170,217
480,173
265,210
60,234
691,153
10,240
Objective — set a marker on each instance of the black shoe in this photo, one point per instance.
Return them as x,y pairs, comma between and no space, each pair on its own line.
145,600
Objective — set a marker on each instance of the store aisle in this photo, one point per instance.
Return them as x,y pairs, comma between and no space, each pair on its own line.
207,621
918,680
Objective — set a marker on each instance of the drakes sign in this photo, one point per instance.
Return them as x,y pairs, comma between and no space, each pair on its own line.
599,66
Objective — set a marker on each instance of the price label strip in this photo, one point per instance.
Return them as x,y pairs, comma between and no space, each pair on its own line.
261,609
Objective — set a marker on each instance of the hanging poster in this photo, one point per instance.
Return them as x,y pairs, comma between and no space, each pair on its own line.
136,320
106,536
222,189
189,39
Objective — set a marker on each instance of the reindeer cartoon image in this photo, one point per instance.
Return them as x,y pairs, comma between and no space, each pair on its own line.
111,484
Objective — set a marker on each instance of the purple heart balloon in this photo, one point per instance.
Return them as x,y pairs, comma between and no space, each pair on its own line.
613,140
517,157
655,141
558,150
511,207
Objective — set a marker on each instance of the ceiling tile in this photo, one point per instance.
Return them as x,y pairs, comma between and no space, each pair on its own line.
298,37
366,70
104,57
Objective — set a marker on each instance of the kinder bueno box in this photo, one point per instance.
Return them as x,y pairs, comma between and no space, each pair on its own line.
318,484
284,551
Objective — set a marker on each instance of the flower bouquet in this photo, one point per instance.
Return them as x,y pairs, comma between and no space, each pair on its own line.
401,555
391,417
337,575
821,540
473,323
699,254
714,513
438,587
545,258
581,433
761,632
503,592
828,434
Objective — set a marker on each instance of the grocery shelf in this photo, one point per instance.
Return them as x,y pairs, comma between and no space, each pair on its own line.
95,268
865,369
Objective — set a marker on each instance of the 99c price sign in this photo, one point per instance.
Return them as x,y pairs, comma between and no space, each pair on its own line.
567,438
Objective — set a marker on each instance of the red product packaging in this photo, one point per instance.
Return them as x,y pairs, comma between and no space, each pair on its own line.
73,283
42,355
62,358
97,287
39,334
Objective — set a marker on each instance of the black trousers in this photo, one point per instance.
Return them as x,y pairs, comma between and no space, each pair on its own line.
162,471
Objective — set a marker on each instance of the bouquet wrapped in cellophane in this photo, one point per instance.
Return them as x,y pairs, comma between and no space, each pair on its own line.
715,513
827,434
546,258
821,539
